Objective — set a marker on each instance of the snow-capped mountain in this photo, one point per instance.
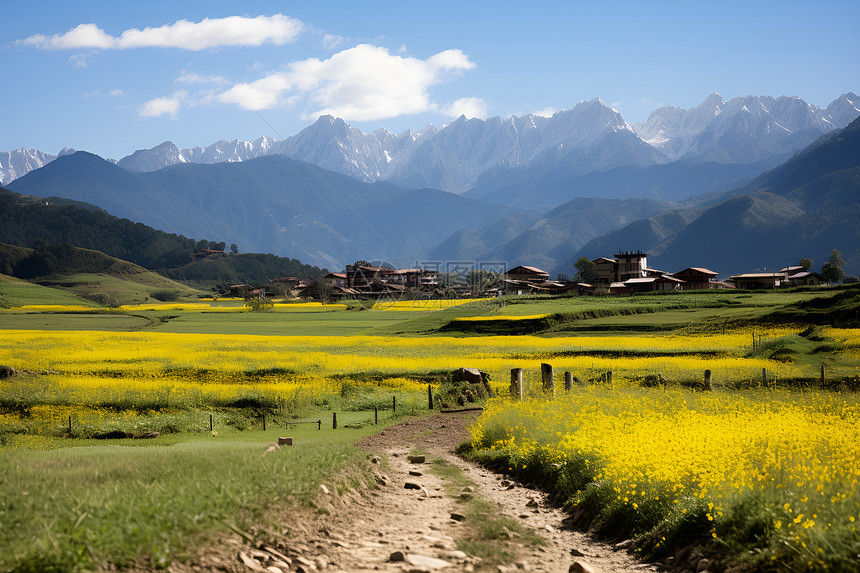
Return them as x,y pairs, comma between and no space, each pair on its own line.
17,163
168,153
844,109
589,137
743,129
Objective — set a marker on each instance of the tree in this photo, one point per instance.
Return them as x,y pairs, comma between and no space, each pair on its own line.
481,279
586,270
832,273
832,269
563,277
805,263
234,248
836,259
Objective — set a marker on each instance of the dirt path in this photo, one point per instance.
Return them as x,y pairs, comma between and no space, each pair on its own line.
394,528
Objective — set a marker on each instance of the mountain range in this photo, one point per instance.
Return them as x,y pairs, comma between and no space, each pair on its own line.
271,204
590,137
802,208
720,185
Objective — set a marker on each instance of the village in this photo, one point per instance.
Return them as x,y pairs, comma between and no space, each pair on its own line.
626,274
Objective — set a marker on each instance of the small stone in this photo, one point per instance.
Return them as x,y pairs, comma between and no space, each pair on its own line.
581,567
426,562
413,473
273,569
324,489
532,503
577,553
273,448
397,556
285,441
623,545
416,459
374,460
458,516
411,485
248,562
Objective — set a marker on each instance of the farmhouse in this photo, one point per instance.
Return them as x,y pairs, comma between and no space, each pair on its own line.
806,278
758,280
697,278
527,274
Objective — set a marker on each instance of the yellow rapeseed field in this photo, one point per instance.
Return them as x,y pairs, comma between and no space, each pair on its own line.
794,456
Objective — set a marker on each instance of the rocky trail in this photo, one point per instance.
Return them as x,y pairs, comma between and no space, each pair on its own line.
422,515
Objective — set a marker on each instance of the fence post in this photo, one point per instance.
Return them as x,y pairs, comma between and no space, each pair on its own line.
70,424
210,422
548,379
764,377
394,404
609,377
822,374
319,424
334,420
707,379
517,383
429,397
568,381
264,423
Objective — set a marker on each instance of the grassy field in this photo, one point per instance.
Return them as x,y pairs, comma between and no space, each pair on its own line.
151,367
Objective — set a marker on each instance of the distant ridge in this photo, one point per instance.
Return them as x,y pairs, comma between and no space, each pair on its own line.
589,137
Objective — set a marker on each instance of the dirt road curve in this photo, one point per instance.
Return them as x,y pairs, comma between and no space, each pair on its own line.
394,528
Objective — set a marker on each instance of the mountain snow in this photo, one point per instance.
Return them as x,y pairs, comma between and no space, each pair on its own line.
741,130
17,163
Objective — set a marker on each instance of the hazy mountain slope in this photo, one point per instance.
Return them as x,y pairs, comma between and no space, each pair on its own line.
566,228
651,235
467,245
803,208
546,187
270,204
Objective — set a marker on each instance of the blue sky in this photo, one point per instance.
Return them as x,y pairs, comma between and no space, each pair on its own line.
113,77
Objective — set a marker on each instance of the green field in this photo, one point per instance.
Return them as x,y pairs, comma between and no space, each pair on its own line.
188,486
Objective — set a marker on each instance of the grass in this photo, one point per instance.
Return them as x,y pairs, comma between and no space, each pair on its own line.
79,504
114,504
15,292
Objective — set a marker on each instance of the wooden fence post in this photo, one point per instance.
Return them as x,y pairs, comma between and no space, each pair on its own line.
70,424
822,374
334,420
210,422
517,383
429,397
547,377
707,379
375,415
609,377
764,377
264,423
568,381
394,404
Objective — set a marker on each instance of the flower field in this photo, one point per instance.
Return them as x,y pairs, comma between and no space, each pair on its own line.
770,471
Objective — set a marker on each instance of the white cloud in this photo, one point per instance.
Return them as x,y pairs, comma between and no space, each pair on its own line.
363,83
468,106
116,93
546,112
163,105
208,33
192,78
332,41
